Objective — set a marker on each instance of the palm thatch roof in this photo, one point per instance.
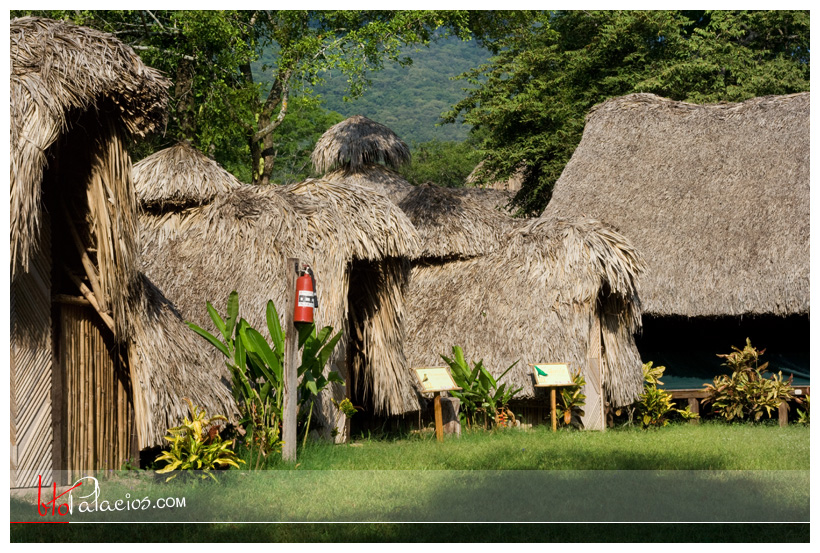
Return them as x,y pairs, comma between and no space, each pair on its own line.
375,177
77,98
715,196
534,299
180,176
60,70
358,141
241,240
457,222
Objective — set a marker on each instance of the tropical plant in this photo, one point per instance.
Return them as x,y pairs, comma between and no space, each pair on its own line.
480,393
346,409
654,406
196,445
257,370
803,416
316,352
570,410
747,393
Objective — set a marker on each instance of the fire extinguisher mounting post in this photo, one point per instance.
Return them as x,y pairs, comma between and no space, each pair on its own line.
290,357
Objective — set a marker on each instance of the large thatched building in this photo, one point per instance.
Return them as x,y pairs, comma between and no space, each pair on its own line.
228,236
505,290
716,197
99,359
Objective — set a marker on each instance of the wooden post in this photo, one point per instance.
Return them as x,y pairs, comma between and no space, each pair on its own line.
291,347
783,413
439,423
554,415
694,406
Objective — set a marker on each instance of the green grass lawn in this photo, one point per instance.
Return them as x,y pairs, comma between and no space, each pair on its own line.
523,485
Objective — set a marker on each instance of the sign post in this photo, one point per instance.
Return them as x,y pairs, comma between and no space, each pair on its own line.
436,380
552,375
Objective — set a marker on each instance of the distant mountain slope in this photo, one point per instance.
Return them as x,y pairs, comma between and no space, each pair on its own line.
411,99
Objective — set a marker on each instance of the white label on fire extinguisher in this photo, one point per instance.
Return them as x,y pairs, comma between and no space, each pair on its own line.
306,299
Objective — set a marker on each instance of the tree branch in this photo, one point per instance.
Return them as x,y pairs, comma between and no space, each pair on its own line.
283,109
169,52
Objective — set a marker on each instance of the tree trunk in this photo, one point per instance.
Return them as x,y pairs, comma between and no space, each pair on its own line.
183,91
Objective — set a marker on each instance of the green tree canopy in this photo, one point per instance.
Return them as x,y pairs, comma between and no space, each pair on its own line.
529,102
218,100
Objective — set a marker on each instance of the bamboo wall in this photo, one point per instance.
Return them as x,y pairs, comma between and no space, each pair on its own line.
31,367
97,416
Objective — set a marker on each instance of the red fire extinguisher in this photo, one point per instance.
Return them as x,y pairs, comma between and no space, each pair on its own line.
306,300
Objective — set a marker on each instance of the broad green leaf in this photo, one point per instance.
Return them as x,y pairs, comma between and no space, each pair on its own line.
233,311
218,322
210,337
274,327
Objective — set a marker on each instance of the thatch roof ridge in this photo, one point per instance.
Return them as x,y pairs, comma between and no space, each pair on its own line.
180,176
373,225
532,301
357,141
58,69
716,197
374,176
457,222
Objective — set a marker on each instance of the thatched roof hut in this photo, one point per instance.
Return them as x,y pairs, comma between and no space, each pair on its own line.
99,360
715,196
178,177
357,142
554,291
362,152
356,241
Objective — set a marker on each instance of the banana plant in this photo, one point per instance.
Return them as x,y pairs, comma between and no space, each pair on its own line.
257,369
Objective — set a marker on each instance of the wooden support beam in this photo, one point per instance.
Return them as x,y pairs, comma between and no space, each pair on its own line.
89,295
694,406
88,265
70,300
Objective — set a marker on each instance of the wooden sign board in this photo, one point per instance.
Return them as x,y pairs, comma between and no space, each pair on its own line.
436,379
551,374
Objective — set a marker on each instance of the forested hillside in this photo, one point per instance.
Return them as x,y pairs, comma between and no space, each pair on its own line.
411,99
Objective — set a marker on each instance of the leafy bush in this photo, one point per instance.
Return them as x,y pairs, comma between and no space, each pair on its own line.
480,393
654,406
442,163
570,410
747,393
196,445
